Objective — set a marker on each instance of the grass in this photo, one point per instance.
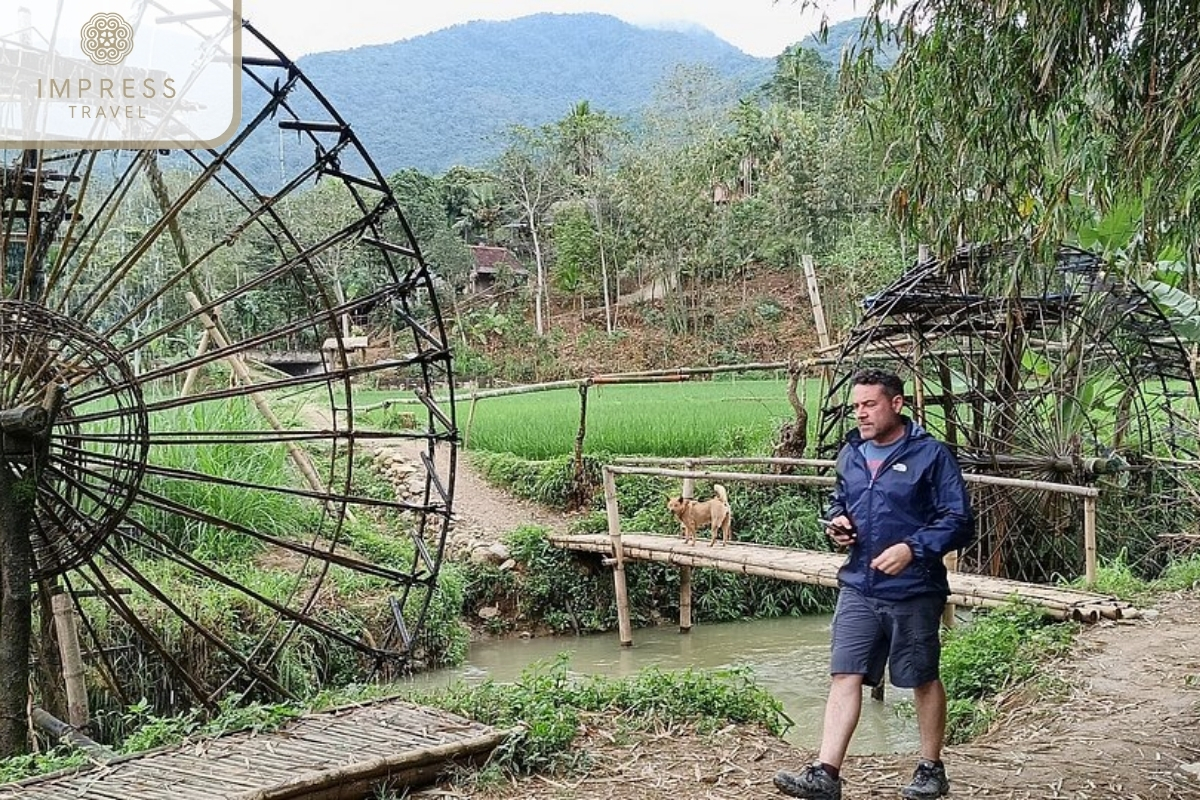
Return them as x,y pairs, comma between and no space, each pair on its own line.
263,510
1116,577
546,705
999,648
718,417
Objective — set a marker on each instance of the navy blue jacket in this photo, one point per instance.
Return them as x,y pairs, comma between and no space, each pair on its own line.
919,497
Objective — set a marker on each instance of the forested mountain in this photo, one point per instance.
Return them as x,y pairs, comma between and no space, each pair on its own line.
440,99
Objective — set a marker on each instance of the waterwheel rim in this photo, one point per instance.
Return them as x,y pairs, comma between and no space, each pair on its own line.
137,258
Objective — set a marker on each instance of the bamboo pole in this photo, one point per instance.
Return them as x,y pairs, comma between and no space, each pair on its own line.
626,466
624,624
67,631
685,571
951,562
717,460
685,599
189,379
1089,541
298,456
748,477
578,490
814,298
918,382
62,732
615,378
470,417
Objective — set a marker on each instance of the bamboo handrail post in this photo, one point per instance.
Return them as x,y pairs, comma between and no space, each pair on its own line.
470,418
1089,540
951,562
624,624
578,491
685,599
685,571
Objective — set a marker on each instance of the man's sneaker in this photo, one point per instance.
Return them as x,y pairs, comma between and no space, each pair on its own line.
813,783
929,781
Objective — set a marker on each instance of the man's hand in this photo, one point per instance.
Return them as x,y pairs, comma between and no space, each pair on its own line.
893,560
841,530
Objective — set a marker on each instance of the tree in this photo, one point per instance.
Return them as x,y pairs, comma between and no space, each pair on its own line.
586,138
1035,117
802,79
423,200
529,171
576,248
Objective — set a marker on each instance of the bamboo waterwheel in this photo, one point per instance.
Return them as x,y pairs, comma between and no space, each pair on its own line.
1059,372
181,343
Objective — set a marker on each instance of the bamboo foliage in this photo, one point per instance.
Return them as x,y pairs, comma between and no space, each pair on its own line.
1032,117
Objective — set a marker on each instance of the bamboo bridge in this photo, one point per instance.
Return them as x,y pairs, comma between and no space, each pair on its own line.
331,755
820,568
812,566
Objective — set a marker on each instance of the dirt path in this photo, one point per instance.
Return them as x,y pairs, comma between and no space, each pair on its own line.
1119,719
482,512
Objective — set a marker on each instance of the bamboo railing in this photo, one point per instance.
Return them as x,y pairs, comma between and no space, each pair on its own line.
809,566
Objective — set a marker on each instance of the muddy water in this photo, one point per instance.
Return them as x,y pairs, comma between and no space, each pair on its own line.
789,657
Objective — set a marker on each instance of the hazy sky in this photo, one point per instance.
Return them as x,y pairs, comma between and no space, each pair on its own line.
758,27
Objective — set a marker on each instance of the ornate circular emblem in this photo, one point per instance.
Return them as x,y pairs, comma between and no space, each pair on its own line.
107,38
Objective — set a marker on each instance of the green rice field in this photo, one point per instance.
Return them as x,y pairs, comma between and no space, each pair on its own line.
723,417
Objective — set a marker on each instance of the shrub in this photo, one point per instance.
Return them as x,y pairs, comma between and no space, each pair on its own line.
998,649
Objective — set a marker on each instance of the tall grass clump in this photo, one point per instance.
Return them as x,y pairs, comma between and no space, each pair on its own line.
1181,575
260,510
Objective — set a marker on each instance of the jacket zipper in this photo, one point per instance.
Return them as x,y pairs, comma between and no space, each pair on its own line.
871,481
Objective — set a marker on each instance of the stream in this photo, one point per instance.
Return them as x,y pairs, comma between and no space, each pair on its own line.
789,657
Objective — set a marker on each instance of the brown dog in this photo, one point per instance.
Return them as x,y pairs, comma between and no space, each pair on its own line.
693,514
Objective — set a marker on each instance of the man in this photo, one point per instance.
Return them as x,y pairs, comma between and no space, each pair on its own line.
899,505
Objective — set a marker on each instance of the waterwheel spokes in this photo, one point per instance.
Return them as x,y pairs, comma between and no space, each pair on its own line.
186,280
1058,372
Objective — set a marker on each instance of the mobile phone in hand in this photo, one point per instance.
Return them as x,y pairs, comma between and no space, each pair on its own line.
839,528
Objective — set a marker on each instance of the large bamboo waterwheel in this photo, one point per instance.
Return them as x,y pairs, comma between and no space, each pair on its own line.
1058,372
142,293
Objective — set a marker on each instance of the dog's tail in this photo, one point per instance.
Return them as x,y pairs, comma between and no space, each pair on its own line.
719,491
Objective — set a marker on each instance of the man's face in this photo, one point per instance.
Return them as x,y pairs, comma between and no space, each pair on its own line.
877,415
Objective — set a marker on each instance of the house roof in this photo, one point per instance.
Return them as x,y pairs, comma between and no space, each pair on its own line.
490,259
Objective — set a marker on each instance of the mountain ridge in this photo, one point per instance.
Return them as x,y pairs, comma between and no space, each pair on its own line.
447,94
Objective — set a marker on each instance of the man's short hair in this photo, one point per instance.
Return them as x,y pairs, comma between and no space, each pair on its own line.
889,381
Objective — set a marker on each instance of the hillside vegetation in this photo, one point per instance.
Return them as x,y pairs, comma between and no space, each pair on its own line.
446,98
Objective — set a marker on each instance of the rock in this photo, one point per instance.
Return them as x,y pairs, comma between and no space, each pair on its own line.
1150,614
500,551
1191,771
488,612
507,565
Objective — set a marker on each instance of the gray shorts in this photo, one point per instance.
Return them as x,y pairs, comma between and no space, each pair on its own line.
904,634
